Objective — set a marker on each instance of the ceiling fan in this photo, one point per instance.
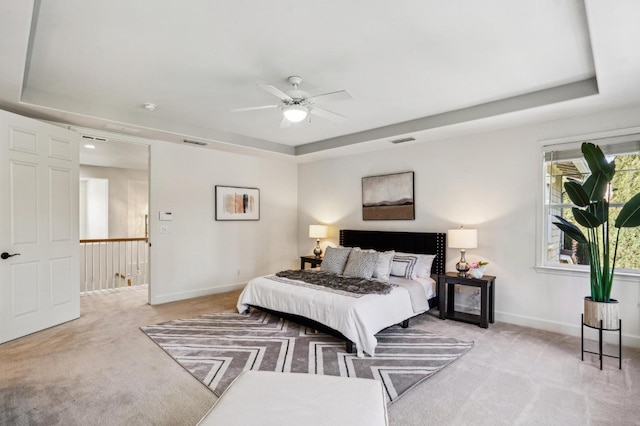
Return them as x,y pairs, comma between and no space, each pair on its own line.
296,105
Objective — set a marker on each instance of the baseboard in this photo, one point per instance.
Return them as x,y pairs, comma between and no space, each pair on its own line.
611,337
183,295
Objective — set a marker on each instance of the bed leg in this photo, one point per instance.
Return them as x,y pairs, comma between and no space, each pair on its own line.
349,346
405,323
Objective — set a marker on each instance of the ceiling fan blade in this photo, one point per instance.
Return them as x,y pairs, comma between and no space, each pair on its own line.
284,123
340,95
255,108
333,116
276,92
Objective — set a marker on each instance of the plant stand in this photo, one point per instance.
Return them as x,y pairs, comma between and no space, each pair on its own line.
600,330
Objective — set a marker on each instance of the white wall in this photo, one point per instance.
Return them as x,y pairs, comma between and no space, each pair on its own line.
118,195
201,255
94,208
488,181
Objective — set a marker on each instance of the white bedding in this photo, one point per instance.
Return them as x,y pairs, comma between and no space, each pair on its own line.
357,318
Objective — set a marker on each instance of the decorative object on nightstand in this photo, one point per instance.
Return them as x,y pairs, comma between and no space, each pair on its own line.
462,239
476,269
317,232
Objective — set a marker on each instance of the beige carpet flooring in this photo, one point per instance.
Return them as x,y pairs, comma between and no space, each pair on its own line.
102,370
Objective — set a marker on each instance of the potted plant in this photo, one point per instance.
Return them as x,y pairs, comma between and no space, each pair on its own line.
476,269
592,212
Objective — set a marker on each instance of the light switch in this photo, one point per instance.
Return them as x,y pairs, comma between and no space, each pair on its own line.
165,216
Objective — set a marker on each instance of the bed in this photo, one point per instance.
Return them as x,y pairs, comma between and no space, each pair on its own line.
356,319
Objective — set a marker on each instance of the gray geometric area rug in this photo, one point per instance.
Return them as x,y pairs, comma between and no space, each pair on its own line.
216,348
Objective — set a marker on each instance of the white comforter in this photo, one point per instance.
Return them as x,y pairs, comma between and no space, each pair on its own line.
357,318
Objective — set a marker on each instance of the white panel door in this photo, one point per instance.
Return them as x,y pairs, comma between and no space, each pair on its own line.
39,282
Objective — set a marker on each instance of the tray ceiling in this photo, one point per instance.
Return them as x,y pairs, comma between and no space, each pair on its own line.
411,67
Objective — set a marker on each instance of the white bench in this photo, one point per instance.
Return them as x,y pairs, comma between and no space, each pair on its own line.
269,398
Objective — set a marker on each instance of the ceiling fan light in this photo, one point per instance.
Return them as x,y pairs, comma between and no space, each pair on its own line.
295,113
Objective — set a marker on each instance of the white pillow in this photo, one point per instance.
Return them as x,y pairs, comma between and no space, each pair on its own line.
412,265
383,266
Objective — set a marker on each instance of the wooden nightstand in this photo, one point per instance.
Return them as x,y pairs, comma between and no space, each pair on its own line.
311,260
446,298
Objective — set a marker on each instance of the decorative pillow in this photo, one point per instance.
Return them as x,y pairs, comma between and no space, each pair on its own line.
383,266
411,265
424,265
361,264
403,266
335,258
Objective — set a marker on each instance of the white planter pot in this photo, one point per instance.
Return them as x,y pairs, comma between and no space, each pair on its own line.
605,311
477,272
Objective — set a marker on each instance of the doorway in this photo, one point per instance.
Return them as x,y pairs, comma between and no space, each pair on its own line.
114,212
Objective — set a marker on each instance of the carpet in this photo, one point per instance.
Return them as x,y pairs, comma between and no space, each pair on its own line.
216,348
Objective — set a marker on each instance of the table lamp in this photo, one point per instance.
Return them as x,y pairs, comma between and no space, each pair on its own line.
462,239
317,232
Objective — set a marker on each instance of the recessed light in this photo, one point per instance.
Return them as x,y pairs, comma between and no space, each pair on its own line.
89,146
149,106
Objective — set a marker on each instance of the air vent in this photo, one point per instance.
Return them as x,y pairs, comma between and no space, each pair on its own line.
94,138
196,142
403,140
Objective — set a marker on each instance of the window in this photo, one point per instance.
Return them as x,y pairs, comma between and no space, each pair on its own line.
564,162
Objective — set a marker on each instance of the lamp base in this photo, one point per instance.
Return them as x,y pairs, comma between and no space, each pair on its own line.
317,252
462,267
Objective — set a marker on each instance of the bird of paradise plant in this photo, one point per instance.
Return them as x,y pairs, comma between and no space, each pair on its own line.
592,212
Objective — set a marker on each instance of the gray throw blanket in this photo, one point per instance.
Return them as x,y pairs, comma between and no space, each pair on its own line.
338,282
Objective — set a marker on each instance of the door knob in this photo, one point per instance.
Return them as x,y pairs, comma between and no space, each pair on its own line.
6,255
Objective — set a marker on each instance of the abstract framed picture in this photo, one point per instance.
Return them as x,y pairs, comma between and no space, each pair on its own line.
237,203
388,197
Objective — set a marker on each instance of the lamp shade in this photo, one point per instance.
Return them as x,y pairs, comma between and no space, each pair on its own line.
318,231
295,113
462,238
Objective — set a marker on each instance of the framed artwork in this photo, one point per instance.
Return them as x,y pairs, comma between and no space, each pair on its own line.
388,197
237,203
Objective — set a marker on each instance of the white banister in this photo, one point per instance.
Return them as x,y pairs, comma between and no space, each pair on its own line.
111,263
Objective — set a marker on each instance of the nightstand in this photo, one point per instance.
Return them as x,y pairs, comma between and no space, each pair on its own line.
446,298
311,260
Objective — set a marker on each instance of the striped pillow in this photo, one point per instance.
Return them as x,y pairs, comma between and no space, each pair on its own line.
411,265
403,265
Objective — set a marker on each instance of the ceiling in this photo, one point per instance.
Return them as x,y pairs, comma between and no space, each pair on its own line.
424,69
104,152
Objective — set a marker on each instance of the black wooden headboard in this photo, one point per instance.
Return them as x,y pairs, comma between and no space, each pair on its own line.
407,242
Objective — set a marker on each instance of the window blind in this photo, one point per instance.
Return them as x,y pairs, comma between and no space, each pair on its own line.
610,146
